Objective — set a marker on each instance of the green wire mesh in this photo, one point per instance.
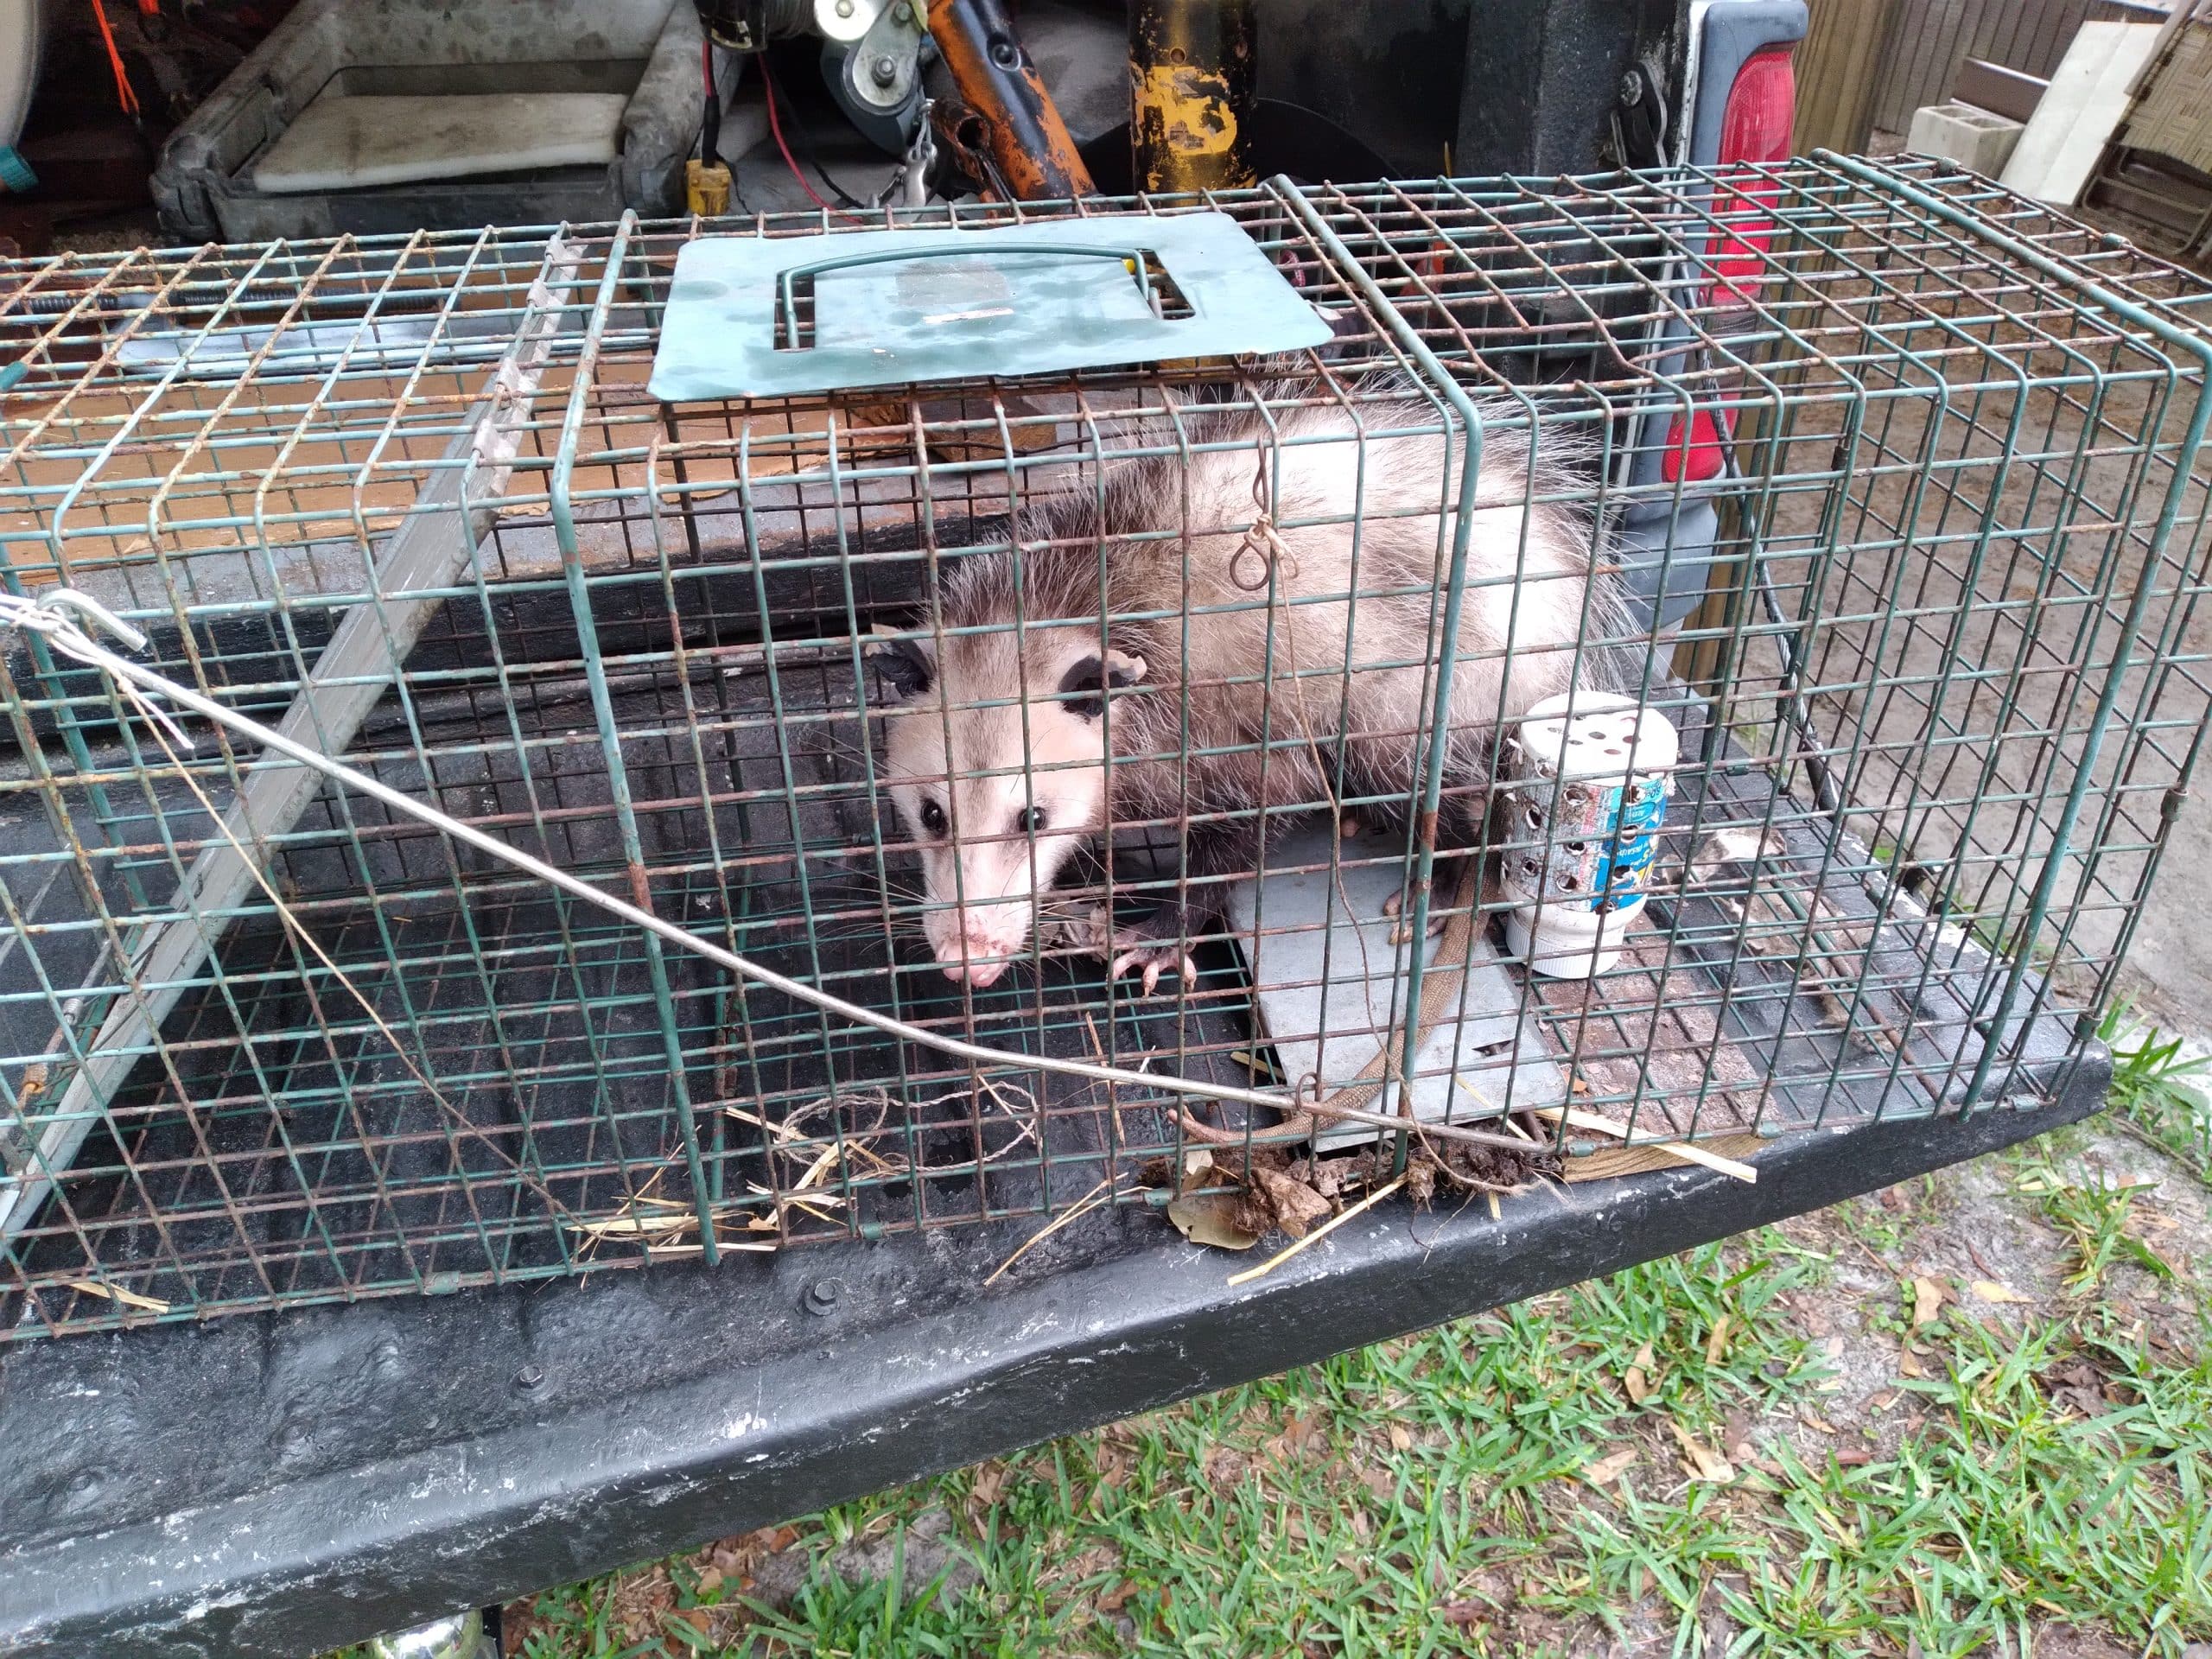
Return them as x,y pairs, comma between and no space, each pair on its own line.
1937,704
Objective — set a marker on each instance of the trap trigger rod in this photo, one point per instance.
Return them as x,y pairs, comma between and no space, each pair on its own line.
57,612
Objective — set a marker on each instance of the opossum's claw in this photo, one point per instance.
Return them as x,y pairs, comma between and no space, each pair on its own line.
1154,958
1125,948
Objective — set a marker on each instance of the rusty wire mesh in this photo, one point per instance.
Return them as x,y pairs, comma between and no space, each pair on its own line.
1924,623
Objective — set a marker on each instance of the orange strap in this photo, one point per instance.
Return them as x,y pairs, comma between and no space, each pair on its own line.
123,94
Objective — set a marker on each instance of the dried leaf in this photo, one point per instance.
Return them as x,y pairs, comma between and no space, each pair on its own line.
1113,1466
1908,1365
1638,1382
1717,1344
1463,1613
1927,1302
1197,1160
1210,1218
1608,1469
117,1293
1989,1290
1420,1183
990,1481
1114,1599
1704,1462
1736,1437
1296,1205
1400,1440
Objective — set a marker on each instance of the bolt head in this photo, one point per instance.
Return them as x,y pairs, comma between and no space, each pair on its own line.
844,8
822,1295
902,13
1631,88
530,1379
884,69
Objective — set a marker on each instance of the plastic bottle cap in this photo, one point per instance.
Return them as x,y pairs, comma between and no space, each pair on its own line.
1598,735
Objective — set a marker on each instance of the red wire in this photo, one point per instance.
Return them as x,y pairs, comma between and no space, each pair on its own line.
776,128
123,94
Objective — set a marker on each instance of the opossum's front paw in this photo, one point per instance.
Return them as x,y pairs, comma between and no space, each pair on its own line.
1154,957
1404,931
1125,948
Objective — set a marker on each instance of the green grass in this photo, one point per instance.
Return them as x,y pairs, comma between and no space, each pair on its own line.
1285,1517
2047,1467
2154,1089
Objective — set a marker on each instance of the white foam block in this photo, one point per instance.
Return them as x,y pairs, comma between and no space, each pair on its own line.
2086,99
347,144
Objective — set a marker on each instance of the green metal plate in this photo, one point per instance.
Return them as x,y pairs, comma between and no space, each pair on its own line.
752,317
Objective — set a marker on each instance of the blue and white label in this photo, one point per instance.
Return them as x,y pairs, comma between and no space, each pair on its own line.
1634,818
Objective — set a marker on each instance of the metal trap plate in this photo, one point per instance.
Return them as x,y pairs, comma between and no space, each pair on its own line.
1327,986
758,317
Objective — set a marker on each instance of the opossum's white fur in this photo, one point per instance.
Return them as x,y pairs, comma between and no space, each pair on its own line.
1350,676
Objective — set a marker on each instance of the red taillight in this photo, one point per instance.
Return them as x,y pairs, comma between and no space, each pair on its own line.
1761,110
1755,126
1698,459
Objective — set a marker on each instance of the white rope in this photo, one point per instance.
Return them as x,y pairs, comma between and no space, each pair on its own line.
58,614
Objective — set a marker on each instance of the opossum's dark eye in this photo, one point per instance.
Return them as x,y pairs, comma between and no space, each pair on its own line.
932,817
1026,823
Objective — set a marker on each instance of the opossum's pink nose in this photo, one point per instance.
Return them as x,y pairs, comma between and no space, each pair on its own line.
971,961
978,974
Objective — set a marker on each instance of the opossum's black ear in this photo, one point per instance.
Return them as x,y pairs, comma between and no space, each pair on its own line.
908,666
1083,687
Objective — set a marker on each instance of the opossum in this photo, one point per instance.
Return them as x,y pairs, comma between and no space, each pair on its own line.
1147,594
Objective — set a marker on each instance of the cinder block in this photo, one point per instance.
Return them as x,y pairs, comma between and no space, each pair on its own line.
1962,133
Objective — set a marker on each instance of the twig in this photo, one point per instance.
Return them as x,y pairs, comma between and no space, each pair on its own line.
1083,1205
1688,1151
1319,1233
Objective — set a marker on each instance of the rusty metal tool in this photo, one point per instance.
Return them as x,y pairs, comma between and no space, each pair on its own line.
1027,144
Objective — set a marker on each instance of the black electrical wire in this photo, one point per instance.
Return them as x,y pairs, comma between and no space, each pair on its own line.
711,118
710,124
806,143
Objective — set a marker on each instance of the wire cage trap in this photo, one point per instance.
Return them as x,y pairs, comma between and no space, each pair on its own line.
1925,459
